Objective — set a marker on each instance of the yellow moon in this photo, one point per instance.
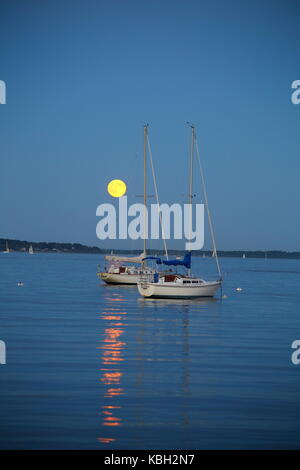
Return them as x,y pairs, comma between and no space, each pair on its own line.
116,188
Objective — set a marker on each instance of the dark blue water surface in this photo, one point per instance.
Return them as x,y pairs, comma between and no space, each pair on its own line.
93,366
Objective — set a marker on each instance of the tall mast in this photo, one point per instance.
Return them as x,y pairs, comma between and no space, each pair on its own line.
190,194
191,165
145,184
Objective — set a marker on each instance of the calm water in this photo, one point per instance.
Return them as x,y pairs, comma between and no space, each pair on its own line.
95,366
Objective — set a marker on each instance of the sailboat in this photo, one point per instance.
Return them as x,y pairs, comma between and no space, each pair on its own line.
30,250
6,249
178,285
124,269
128,269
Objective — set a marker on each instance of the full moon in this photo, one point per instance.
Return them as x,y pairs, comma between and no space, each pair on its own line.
116,188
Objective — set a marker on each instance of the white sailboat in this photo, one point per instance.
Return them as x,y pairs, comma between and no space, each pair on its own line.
30,250
6,249
119,272
128,269
178,285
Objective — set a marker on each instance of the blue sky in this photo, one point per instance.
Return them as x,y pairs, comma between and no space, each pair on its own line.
83,76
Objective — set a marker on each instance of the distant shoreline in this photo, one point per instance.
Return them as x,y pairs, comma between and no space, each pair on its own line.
54,247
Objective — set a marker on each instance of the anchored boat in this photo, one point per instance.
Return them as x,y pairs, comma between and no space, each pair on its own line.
178,285
128,269
6,248
124,269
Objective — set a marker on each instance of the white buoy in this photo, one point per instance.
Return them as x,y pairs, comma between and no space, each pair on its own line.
239,289
20,284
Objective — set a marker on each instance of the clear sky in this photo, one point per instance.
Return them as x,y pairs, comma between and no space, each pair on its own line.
83,76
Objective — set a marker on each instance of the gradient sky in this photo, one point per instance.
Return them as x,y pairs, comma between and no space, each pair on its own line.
83,76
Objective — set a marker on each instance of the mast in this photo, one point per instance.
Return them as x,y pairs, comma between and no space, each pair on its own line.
190,193
191,165
145,185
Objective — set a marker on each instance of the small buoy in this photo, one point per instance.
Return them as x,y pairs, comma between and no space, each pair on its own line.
20,284
239,289
224,296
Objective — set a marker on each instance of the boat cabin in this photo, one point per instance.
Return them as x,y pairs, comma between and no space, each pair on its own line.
117,269
178,279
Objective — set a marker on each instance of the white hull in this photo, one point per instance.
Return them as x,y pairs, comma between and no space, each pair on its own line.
124,278
173,290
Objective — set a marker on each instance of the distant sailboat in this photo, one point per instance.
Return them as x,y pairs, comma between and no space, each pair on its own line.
244,256
30,250
6,249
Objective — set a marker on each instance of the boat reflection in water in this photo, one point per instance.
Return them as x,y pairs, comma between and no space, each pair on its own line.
112,357
147,374
179,329
201,301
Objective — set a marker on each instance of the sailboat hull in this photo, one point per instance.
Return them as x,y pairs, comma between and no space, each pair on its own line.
151,289
113,278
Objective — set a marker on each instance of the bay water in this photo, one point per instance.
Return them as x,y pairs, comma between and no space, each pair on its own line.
94,366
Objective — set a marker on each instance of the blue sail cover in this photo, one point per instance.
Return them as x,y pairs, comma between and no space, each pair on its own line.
186,261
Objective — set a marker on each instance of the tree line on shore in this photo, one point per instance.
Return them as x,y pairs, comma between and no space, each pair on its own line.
55,247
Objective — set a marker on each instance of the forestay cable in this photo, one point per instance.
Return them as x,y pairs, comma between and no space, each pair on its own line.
208,211
156,195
